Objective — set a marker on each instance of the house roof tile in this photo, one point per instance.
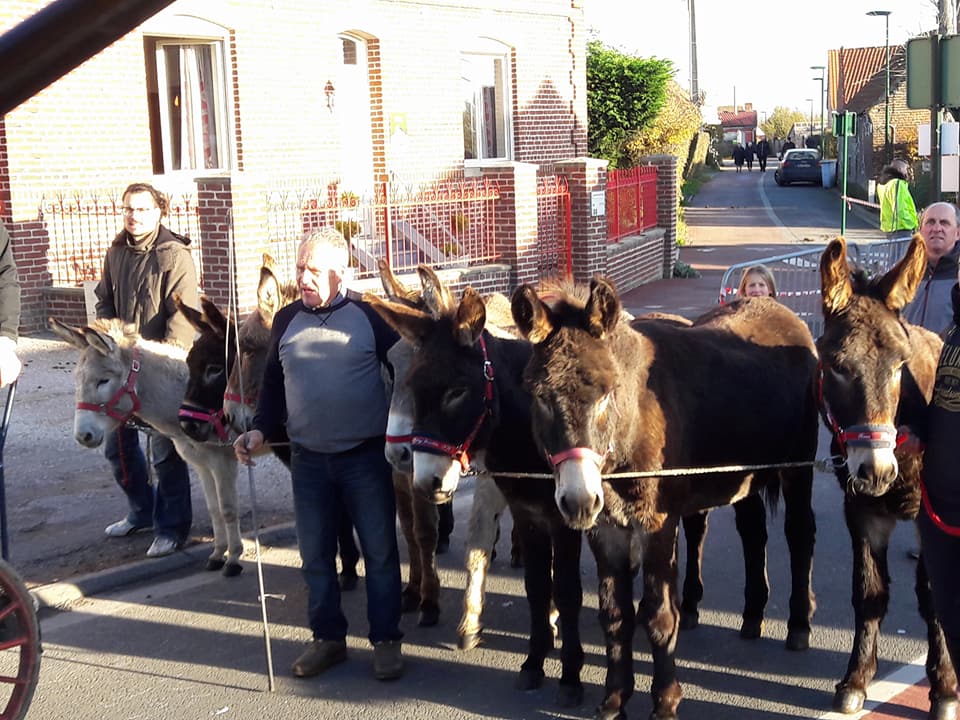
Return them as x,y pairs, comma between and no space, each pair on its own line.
744,118
857,76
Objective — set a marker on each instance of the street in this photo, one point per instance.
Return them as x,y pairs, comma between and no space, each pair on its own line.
187,644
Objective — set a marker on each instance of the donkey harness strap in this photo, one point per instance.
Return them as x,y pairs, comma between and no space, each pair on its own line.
128,388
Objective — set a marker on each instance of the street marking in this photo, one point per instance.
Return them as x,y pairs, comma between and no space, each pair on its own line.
882,691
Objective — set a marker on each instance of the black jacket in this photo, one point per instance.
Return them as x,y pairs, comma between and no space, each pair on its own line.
9,288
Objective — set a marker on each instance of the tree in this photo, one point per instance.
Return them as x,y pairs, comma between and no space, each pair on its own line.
780,121
624,95
671,131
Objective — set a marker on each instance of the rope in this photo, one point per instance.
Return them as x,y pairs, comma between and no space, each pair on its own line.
822,465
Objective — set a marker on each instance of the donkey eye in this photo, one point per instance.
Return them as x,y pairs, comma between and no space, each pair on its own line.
102,382
212,372
454,396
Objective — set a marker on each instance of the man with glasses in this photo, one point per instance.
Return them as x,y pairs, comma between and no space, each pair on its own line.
145,267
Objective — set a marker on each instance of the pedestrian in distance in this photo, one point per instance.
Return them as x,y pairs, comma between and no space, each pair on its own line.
757,281
898,213
763,152
739,155
146,266
788,145
749,152
932,306
323,382
10,365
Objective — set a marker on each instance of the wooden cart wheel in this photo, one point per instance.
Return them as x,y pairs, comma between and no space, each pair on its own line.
19,645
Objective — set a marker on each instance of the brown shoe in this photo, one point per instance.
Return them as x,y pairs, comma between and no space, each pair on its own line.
387,660
320,655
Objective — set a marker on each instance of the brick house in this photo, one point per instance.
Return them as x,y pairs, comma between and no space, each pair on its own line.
738,124
857,82
227,103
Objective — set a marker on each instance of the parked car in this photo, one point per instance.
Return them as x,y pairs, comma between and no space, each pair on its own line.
799,165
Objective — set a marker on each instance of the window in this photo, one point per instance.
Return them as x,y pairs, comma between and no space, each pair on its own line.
188,117
486,106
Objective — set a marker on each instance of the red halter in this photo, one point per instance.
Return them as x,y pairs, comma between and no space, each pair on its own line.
460,453
872,436
189,412
128,388
577,453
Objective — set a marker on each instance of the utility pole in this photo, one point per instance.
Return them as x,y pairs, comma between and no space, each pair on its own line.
694,83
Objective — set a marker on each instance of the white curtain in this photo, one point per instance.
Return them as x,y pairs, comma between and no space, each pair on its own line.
198,127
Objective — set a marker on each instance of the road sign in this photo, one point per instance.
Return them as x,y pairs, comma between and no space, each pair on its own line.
921,92
949,71
844,124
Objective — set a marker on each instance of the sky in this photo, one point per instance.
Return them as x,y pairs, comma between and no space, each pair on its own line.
741,57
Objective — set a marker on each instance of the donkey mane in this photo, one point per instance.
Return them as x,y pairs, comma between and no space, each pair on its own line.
126,336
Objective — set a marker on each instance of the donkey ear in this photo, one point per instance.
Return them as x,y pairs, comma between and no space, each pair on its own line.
269,263
193,316
835,286
530,314
436,295
99,341
602,308
268,291
412,324
471,318
900,283
215,319
67,333
393,288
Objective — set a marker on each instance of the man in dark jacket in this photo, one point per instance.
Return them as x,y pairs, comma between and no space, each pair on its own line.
931,307
9,311
146,266
788,145
763,151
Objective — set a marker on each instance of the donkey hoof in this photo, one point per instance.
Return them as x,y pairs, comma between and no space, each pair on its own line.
409,602
689,620
798,639
232,569
429,616
469,641
605,713
849,700
943,709
214,564
753,629
529,679
570,696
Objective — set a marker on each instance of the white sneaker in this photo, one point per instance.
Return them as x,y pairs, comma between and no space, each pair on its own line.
122,528
162,546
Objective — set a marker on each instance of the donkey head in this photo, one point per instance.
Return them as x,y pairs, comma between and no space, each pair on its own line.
253,337
447,380
864,351
571,376
101,376
210,359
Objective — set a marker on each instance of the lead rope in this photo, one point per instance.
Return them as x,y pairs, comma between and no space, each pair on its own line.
822,465
233,306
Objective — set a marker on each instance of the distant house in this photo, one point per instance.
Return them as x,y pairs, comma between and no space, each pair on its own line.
857,83
738,124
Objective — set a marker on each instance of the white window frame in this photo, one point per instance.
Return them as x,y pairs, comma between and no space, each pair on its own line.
486,49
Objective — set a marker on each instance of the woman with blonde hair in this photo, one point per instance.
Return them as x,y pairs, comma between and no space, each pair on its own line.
757,281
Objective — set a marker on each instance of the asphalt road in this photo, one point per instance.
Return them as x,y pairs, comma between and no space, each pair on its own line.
162,639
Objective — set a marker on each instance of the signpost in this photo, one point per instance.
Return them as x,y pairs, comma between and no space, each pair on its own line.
845,126
932,83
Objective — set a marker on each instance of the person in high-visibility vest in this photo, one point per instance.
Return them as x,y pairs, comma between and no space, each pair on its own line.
898,213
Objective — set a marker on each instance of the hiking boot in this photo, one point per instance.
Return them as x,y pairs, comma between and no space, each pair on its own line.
122,528
320,655
162,546
387,660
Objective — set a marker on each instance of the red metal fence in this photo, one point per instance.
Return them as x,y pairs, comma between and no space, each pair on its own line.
450,223
554,248
631,201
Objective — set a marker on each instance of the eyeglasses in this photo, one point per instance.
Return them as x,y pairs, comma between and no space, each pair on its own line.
138,211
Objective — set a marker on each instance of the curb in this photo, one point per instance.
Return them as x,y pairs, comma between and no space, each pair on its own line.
58,595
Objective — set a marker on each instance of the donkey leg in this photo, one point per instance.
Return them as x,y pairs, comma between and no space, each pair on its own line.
410,597
661,618
694,533
751,521
800,528
225,478
488,506
568,597
537,583
426,519
870,528
940,670
209,484
611,548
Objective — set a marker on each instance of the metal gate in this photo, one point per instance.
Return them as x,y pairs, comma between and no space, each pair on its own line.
554,246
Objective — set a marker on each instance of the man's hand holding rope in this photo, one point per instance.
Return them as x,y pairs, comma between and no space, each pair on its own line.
246,445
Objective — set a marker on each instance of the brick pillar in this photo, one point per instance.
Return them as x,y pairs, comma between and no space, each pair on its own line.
667,204
516,223
586,180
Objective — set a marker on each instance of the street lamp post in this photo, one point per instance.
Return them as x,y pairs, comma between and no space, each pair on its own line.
821,68
885,14
810,131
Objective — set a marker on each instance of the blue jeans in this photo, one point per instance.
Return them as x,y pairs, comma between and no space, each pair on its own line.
359,482
167,508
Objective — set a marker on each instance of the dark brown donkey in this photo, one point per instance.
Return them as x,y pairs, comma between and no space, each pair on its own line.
877,375
609,396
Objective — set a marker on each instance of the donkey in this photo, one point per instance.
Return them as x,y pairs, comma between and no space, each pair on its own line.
609,396
121,376
488,502
468,402
877,374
